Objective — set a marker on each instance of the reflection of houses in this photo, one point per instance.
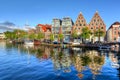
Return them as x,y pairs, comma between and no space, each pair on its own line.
46,53
113,32
61,60
2,36
96,62
95,24
114,60
45,29
78,63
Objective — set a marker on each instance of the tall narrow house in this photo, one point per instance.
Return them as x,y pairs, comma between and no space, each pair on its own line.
67,24
56,24
79,24
97,25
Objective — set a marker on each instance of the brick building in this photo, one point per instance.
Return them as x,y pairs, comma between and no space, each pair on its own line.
95,24
45,29
113,33
79,24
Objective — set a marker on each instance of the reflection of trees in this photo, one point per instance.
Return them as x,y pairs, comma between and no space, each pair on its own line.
81,61
62,58
90,59
96,63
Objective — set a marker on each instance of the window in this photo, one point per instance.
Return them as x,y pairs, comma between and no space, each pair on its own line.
84,25
115,28
80,24
96,27
101,27
94,20
98,20
91,27
76,24
115,39
115,32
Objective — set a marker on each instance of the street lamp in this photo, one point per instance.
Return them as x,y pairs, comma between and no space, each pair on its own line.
119,37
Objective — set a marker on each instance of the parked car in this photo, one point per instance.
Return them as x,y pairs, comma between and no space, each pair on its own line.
98,42
56,42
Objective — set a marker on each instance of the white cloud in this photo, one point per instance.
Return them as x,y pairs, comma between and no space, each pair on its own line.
7,26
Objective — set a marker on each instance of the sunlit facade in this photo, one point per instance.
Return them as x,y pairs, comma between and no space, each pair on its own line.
79,24
65,25
97,24
113,33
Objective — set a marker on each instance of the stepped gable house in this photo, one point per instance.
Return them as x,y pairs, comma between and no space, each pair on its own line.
79,24
95,24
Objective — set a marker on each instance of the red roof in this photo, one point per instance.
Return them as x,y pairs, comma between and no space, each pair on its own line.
45,27
115,23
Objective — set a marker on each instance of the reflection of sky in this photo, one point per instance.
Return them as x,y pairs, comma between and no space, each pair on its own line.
107,69
39,68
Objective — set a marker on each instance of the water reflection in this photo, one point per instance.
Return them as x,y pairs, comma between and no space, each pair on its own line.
63,59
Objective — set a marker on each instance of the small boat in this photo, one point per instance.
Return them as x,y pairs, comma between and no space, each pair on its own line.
115,65
104,48
37,42
29,42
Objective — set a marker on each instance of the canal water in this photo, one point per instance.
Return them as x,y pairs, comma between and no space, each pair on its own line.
22,62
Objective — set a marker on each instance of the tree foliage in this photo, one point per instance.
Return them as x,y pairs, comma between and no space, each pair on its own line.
74,34
16,34
99,33
32,36
40,35
85,33
52,37
60,36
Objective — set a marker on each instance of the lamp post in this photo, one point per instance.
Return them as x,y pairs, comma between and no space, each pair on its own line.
119,37
118,53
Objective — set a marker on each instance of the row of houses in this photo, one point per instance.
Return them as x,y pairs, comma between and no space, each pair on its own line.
66,26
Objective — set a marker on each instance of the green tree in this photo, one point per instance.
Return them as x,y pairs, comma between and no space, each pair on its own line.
85,33
19,34
99,33
32,36
8,35
40,36
74,34
60,36
52,37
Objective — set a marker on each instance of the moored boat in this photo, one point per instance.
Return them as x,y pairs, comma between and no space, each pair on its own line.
29,42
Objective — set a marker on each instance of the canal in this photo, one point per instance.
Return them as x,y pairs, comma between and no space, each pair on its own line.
22,62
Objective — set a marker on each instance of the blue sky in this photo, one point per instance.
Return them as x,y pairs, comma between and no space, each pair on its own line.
43,11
